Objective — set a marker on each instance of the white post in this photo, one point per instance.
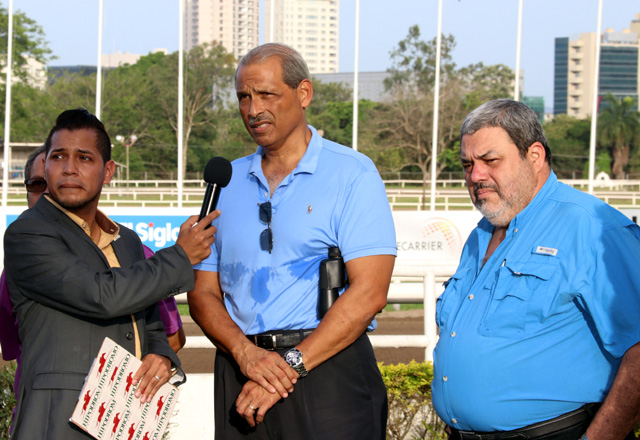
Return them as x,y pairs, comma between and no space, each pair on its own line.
430,328
99,65
594,108
180,100
272,24
355,80
516,92
7,110
436,99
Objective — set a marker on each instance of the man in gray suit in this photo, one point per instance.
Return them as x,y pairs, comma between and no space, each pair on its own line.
76,277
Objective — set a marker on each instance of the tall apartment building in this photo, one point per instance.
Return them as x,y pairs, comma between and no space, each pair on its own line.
309,26
233,23
575,65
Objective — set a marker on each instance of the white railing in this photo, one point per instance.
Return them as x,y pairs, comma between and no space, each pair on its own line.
410,284
402,194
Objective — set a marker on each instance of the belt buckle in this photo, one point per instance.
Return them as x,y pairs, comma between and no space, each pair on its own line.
273,341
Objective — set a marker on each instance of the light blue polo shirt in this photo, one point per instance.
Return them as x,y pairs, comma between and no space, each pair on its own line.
334,197
540,329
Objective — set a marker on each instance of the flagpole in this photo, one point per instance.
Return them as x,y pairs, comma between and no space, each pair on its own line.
7,110
436,99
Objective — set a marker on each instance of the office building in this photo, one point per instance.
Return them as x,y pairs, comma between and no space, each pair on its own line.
575,66
309,26
232,23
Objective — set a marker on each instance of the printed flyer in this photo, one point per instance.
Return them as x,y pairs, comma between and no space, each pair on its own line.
107,407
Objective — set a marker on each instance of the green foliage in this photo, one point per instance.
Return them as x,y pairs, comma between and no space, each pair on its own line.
28,42
568,139
619,128
406,121
7,398
411,414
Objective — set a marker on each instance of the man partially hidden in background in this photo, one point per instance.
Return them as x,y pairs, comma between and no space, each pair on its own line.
540,324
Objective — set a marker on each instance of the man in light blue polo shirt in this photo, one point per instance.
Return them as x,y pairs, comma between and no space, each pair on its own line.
540,324
256,297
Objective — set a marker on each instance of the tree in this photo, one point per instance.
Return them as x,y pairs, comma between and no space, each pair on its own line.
619,128
28,43
568,139
405,122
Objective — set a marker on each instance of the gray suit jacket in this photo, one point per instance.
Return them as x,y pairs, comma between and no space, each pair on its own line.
67,300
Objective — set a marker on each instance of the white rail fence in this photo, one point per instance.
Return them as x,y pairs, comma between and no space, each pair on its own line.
402,194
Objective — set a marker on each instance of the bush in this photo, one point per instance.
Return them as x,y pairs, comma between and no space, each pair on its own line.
411,414
7,398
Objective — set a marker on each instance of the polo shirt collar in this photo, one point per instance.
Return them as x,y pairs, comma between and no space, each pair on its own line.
307,164
531,210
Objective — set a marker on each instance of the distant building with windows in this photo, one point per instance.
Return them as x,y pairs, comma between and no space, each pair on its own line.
370,84
535,103
575,65
233,23
309,26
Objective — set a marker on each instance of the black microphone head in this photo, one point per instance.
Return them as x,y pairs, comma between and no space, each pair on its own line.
218,171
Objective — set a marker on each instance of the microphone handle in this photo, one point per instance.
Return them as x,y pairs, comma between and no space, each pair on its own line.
207,201
216,196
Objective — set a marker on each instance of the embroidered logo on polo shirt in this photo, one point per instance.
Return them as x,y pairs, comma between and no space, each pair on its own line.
546,251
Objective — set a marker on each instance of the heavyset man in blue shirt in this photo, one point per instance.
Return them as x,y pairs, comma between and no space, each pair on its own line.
541,321
285,206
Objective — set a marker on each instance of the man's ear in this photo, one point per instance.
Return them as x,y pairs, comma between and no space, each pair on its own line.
305,92
109,171
537,155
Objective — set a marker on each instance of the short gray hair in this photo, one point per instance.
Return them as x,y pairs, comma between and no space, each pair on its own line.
294,68
517,119
31,159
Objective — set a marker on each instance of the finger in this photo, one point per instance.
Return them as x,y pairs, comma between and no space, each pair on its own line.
154,385
188,224
259,414
206,220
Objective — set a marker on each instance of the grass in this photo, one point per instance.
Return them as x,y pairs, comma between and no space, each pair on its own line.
183,309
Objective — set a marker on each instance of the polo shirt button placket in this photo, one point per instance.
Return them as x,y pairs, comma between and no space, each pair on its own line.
454,421
471,296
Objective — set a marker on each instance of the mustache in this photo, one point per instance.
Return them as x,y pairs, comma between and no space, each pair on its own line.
479,186
260,118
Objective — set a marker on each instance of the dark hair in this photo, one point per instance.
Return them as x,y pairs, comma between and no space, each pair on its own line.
30,160
294,68
517,119
77,119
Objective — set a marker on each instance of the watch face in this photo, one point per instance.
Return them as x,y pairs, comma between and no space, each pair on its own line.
293,357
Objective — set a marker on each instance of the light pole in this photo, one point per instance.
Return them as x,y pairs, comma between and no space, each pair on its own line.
127,143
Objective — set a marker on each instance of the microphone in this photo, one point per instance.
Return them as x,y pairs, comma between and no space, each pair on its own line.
217,174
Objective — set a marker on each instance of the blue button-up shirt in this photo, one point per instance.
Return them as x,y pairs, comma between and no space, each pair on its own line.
334,197
541,328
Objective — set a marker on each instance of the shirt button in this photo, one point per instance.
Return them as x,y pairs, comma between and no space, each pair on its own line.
454,421
453,334
129,336
471,296
266,194
445,378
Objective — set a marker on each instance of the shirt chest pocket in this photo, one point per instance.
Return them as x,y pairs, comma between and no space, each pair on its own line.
451,297
511,295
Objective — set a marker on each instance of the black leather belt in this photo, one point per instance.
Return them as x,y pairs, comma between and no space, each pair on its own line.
546,429
279,340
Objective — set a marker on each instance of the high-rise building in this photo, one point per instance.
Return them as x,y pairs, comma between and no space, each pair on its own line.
309,26
575,65
232,23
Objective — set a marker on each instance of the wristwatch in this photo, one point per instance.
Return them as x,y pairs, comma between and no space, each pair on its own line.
293,357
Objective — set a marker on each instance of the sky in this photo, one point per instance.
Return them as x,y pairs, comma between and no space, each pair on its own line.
485,30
